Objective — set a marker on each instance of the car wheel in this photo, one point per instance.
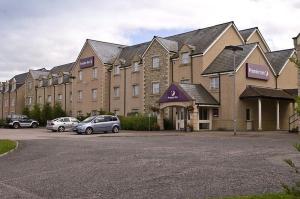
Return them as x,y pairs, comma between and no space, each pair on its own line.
16,125
61,129
115,129
89,131
34,125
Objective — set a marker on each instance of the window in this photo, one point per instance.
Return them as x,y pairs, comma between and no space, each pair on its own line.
117,91
79,95
117,70
50,81
203,113
185,81
49,99
80,75
94,112
215,112
6,103
135,90
14,86
248,114
6,87
135,67
40,99
60,79
13,102
214,83
155,88
59,97
185,58
40,83
66,119
94,94
29,100
94,73
155,62
29,85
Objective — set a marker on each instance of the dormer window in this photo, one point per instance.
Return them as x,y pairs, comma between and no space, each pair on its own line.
135,67
29,85
185,58
13,86
60,79
50,81
6,87
117,70
40,83
155,62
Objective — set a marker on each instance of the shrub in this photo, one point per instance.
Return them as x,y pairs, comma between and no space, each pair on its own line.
26,111
36,113
2,122
58,111
46,114
139,123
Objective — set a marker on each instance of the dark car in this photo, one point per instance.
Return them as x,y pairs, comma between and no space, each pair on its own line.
17,121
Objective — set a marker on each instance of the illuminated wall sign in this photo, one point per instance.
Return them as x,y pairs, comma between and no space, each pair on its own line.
255,71
86,62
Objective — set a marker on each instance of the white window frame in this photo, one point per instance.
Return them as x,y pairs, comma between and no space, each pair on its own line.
80,75
50,81
94,73
29,100
116,91
155,62
60,79
49,98
59,97
155,90
215,83
41,83
117,70
40,99
185,58
135,67
94,94
29,85
135,90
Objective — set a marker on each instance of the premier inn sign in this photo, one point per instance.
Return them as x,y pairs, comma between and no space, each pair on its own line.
174,94
255,71
86,62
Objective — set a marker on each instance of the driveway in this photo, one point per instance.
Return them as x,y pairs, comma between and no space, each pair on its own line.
145,165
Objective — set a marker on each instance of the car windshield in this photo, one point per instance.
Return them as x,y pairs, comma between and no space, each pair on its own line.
87,120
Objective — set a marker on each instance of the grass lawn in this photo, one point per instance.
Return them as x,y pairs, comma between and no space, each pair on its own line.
265,196
7,145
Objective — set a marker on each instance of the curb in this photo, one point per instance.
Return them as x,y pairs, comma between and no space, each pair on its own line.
12,150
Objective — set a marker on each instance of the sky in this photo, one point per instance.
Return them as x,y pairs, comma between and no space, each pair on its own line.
47,33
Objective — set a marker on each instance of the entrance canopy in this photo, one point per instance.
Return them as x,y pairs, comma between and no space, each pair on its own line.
188,93
269,93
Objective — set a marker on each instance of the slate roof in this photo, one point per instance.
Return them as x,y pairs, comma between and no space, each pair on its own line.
200,39
279,58
263,92
62,68
224,61
37,73
199,93
107,52
128,53
247,32
20,78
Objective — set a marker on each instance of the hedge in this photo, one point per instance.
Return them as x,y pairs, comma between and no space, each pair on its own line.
139,123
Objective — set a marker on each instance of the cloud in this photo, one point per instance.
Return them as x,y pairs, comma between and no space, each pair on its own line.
45,33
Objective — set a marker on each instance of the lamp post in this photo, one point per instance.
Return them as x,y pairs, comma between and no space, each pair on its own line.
234,49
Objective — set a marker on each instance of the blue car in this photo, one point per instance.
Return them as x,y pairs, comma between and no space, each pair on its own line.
100,123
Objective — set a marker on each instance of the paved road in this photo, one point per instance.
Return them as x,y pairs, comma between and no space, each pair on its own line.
135,165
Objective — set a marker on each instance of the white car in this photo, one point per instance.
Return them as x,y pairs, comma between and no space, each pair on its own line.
62,124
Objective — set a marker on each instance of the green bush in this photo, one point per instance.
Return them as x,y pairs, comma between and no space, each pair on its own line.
2,122
26,111
168,124
58,111
35,113
139,123
46,114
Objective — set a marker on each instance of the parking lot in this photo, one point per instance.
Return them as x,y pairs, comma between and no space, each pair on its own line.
144,164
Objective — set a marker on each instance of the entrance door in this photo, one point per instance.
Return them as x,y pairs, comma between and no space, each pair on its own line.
180,119
204,120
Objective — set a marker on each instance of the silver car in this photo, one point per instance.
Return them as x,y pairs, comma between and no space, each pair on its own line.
62,124
101,123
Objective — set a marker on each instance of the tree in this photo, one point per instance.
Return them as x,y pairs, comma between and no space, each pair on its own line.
58,111
36,112
26,111
46,114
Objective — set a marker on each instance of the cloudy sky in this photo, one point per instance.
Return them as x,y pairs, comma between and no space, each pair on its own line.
45,33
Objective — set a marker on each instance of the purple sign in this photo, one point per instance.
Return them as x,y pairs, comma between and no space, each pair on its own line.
174,94
86,62
255,71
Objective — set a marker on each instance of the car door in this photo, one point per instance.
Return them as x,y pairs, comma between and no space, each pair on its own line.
67,123
107,124
74,122
97,124
25,122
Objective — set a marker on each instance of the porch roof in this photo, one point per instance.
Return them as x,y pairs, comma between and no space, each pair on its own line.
188,92
263,92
